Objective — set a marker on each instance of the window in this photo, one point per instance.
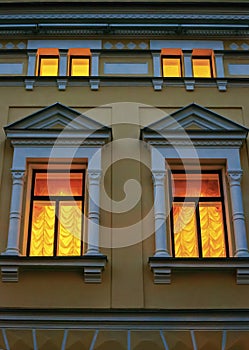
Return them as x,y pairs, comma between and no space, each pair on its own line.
203,63
79,62
198,215
172,62
55,220
47,62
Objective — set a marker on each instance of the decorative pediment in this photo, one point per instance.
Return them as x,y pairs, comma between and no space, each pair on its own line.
56,121
196,123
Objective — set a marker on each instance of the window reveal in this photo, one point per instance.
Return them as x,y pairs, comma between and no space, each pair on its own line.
198,215
55,227
171,62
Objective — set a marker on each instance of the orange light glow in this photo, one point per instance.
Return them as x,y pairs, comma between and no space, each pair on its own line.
79,66
42,231
69,237
58,184
56,224
49,66
186,211
202,67
172,67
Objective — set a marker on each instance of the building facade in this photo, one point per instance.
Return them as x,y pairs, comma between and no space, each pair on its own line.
124,175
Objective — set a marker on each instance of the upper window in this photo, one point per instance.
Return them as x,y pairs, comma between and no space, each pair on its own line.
172,62
55,220
47,62
79,62
203,63
198,215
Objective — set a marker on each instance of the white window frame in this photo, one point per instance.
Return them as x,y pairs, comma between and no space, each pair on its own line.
217,140
34,140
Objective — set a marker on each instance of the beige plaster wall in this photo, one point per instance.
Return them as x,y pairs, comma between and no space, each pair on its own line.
127,280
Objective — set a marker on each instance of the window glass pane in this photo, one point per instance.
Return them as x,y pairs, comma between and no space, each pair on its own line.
185,232
69,234
58,184
48,66
172,67
195,185
79,66
42,230
202,67
212,230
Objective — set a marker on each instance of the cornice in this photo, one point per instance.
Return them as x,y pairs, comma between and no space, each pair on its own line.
124,16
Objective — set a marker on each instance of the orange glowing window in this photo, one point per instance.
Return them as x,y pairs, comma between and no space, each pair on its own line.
203,63
47,62
55,227
79,62
171,62
198,215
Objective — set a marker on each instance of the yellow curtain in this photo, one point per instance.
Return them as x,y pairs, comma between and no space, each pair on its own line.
212,232
185,234
69,237
42,235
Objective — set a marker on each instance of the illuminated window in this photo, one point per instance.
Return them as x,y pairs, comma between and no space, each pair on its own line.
172,62
79,62
198,215
55,226
47,62
203,63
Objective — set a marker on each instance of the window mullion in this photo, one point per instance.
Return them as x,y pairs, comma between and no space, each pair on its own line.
56,226
198,226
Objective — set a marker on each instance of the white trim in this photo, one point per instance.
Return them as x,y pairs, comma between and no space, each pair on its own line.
64,44
186,44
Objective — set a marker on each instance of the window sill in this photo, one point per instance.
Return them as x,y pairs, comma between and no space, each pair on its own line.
91,266
163,267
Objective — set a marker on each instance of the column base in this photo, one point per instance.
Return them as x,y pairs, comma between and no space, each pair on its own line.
242,253
11,251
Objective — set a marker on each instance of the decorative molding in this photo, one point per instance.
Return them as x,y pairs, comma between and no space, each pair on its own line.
193,142
59,142
222,85
29,84
119,16
91,266
189,84
94,84
10,273
163,267
62,84
234,176
242,276
157,84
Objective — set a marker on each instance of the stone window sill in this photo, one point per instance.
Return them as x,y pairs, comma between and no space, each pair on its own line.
163,267
90,265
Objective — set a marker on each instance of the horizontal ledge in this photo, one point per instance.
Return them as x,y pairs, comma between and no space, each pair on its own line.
53,262
202,263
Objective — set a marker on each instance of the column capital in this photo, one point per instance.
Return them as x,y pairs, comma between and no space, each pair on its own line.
234,176
18,174
158,176
94,176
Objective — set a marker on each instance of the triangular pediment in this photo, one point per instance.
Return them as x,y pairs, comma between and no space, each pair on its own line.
56,116
195,117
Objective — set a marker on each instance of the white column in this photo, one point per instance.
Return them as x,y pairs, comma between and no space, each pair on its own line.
219,65
157,70
63,63
160,213
188,71
15,212
95,64
94,81
238,218
31,63
93,178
